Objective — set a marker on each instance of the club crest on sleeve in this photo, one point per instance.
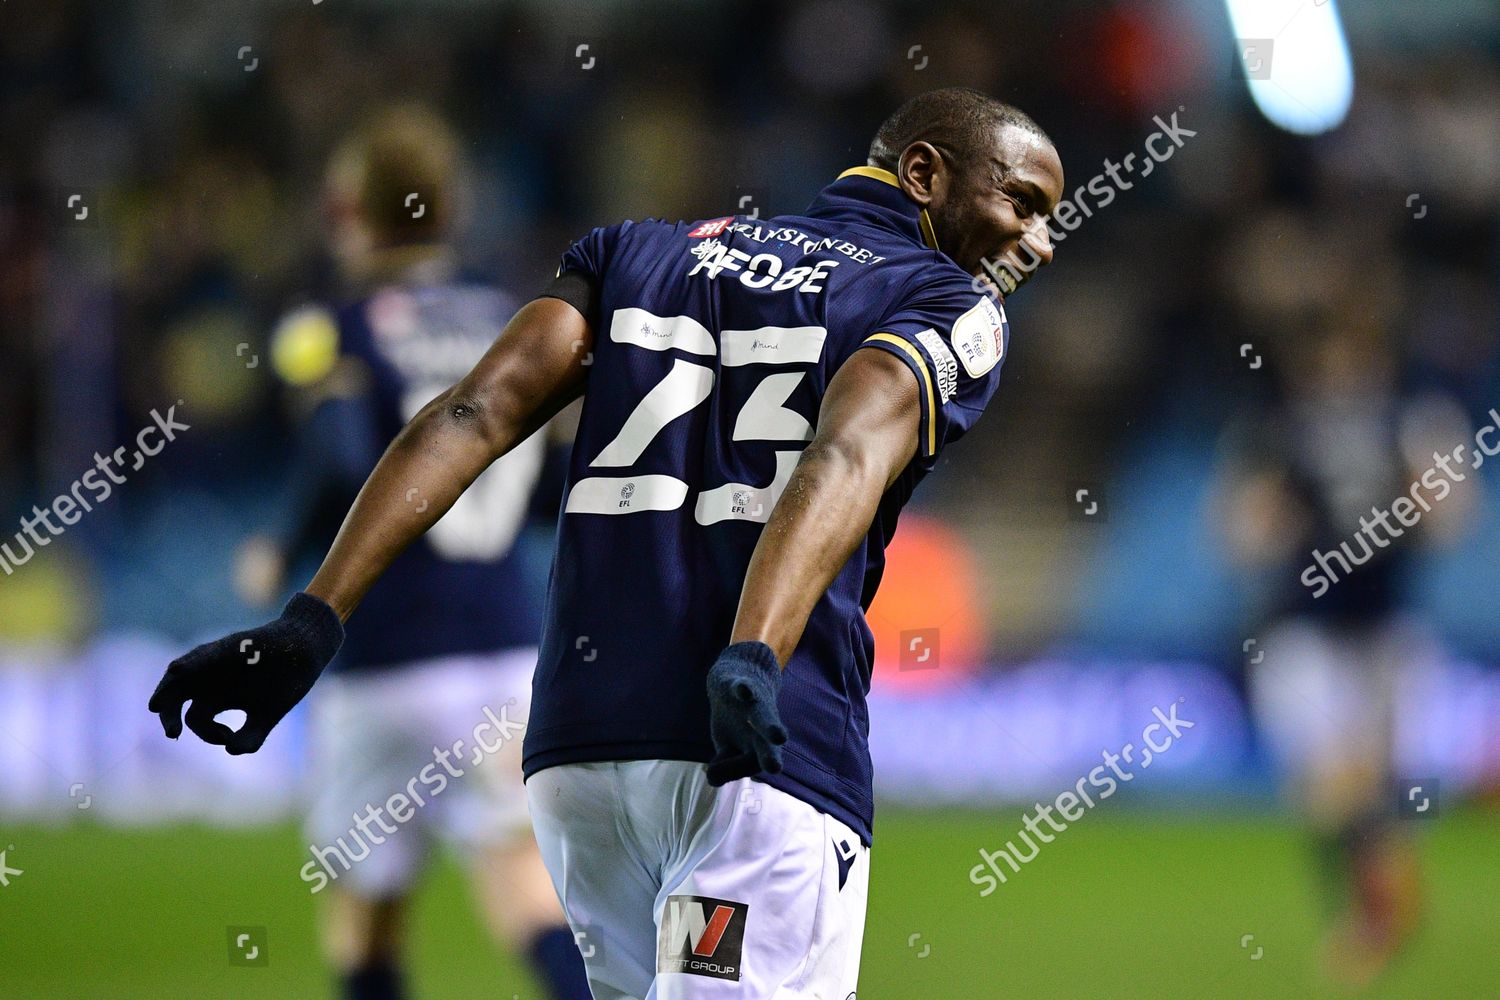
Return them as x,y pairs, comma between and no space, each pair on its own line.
702,936
979,337
711,228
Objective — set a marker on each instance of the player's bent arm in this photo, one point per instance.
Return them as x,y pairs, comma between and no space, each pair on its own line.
867,433
532,371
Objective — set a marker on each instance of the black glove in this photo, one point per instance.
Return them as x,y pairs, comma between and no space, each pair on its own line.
743,719
263,672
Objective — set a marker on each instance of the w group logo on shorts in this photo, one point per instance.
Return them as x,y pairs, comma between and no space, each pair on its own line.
702,936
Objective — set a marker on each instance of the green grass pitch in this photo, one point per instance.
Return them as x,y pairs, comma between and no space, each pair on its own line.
1125,905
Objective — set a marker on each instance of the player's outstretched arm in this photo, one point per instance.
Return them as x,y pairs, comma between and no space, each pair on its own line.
866,435
533,370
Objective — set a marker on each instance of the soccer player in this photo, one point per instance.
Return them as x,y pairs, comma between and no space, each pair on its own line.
1311,474
451,628
760,399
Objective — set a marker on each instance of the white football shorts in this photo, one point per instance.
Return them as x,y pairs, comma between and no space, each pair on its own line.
373,737
1323,696
676,890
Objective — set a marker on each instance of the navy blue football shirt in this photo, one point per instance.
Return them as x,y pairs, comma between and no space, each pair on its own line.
369,365
713,345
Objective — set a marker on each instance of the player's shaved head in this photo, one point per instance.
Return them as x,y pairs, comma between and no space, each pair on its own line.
957,120
401,152
984,175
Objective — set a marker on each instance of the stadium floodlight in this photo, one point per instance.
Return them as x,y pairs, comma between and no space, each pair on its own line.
1295,60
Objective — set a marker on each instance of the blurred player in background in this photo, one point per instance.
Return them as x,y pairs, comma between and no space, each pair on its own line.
1339,444
452,627
763,396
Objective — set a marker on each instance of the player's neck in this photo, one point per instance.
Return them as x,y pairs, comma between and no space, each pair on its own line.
409,263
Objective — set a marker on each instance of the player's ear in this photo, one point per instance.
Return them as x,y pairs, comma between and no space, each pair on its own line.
922,173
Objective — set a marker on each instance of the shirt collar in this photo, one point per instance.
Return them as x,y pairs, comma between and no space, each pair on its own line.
872,195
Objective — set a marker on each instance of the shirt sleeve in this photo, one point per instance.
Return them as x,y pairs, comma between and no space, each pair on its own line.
591,255
954,341
338,443
580,275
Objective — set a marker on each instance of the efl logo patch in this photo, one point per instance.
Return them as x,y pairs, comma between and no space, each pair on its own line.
979,337
702,936
711,228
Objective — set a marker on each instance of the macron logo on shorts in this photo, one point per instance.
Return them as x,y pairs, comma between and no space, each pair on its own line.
847,854
702,936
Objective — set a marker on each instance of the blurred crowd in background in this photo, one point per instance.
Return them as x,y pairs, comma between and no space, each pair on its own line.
160,209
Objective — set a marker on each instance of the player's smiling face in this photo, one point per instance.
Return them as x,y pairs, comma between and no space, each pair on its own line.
993,210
